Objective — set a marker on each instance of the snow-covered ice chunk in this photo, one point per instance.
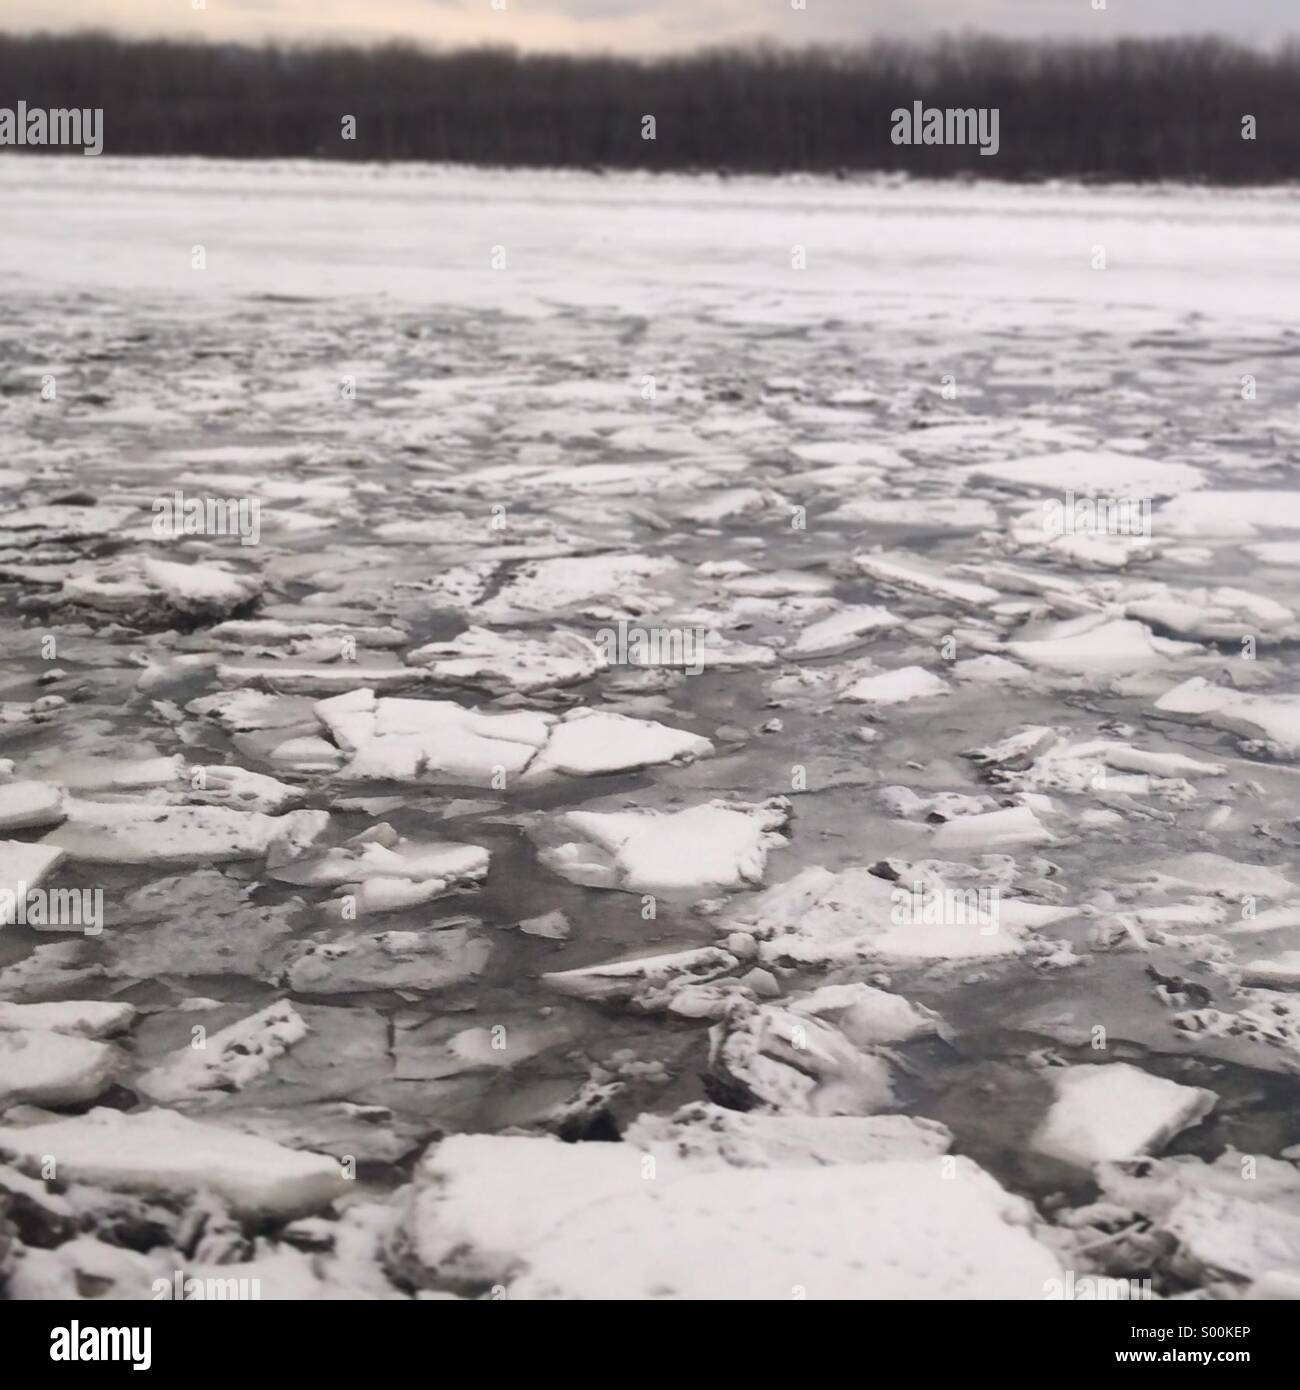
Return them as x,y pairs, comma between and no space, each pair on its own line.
430,740
24,867
1093,473
418,960
907,576
895,687
89,1018
157,593
587,742
28,805
1014,825
228,1060
771,1057
717,845
623,582
46,1068
1097,646
868,1016
893,1229
1273,720
381,853
841,630
510,660
1225,515
823,918
159,1151
710,1137
134,832
646,982
1116,1111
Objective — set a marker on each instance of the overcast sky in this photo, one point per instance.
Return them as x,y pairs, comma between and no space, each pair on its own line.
643,26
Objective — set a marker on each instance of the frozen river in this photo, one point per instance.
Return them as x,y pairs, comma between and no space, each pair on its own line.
797,674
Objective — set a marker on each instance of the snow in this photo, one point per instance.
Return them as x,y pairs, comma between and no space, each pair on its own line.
646,981
587,742
1094,473
159,1151
1116,1111
716,845
1273,719
26,805
895,687
906,576
893,1229
228,1060
48,1068
76,1018
22,868
125,832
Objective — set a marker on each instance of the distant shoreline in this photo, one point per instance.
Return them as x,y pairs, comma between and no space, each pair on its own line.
1190,111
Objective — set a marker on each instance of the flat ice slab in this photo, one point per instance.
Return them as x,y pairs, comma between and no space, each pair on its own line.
1116,1111
159,1151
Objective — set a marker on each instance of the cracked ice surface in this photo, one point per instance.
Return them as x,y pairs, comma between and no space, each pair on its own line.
761,774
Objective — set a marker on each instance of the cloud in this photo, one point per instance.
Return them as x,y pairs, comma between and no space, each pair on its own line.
647,26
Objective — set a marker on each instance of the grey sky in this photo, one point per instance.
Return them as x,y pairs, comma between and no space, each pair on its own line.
653,25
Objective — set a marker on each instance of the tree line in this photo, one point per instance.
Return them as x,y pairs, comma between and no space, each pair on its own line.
1132,110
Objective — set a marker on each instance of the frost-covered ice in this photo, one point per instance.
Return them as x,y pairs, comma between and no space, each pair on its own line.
1116,1111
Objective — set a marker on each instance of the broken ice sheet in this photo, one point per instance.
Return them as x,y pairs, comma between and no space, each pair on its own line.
159,1151
716,845
1116,1111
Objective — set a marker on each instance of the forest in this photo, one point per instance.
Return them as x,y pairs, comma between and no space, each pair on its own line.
1130,110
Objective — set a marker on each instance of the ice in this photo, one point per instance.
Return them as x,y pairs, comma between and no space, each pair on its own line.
907,577
30,805
646,982
895,687
821,918
159,1151
868,1016
1095,646
1094,473
1222,515
150,592
76,1018
841,631
1274,720
1116,1111
117,832
709,1137
893,1229
381,853
228,1060
24,867
1016,825
716,845
587,742
429,740
48,1068
510,661
415,960
766,1056
625,582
